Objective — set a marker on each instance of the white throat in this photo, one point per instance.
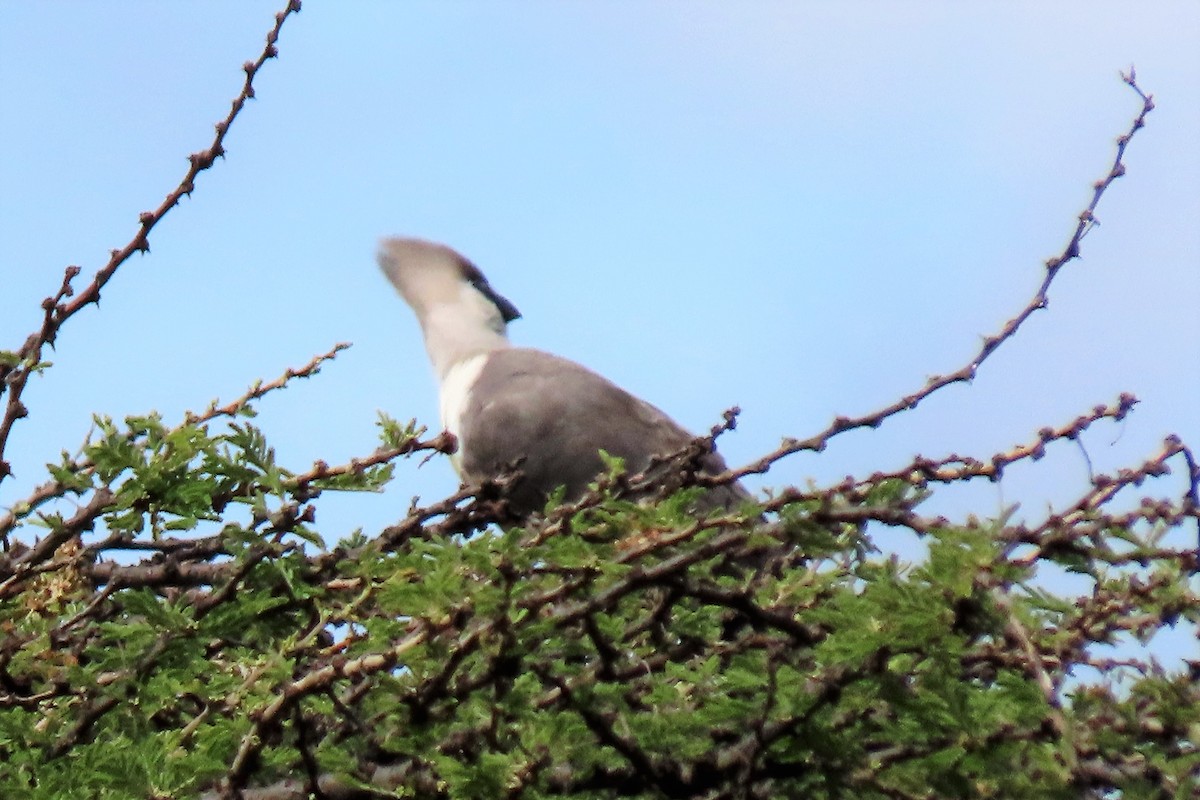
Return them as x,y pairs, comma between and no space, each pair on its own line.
467,326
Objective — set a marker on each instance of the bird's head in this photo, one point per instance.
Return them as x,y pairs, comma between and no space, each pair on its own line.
459,312
430,276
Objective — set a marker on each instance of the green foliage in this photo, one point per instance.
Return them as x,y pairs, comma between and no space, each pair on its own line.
613,649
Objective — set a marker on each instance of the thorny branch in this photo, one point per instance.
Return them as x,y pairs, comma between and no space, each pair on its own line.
964,374
83,467
59,308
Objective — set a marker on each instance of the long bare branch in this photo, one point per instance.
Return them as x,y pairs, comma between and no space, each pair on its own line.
1085,221
66,302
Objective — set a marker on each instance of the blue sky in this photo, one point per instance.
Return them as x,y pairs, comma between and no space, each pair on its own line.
804,209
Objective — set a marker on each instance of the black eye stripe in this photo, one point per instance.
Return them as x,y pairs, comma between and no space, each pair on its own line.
507,310
476,278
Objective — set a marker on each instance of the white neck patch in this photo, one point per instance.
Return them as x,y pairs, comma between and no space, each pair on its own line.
453,396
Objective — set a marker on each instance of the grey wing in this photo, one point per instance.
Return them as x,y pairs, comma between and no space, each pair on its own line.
552,417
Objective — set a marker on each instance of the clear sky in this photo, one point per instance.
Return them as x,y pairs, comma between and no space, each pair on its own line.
801,208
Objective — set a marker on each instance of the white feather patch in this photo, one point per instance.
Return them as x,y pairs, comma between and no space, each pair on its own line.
455,395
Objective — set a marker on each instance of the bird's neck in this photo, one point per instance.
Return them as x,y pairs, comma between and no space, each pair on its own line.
452,337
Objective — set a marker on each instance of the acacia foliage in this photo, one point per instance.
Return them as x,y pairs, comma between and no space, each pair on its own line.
609,650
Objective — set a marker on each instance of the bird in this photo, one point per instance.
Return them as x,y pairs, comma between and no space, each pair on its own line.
509,406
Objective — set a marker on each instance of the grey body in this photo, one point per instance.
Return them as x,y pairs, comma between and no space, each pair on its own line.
552,417
517,407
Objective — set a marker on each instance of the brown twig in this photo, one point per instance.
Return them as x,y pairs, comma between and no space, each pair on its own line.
83,467
58,308
966,373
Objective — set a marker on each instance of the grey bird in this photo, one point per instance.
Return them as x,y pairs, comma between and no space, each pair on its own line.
518,407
